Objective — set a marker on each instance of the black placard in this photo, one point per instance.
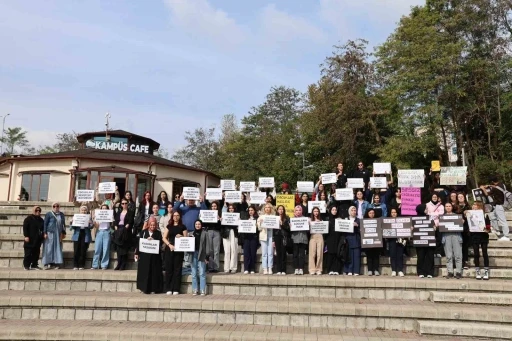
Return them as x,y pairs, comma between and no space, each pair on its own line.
451,223
423,233
371,233
396,227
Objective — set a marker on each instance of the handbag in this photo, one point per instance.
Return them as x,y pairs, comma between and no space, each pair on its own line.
224,232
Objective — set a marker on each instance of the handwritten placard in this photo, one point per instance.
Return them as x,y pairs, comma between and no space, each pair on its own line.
411,198
106,187
299,224
81,220
344,225
233,196
329,178
381,168
230,219
84,195
257,198
209,216
355,183
213,194
321,227
247,226
228,185
104,216
149,246
344,194
411,178
305,186
247,186
185,244
266,182
378,182
191,193
453,175
269,222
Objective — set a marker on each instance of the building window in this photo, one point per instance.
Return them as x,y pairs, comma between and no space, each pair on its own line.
81,180
143,184
35,187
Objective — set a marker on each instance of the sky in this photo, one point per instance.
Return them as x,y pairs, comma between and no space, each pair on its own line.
162,67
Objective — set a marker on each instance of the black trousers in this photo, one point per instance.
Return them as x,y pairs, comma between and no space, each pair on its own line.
396,255
250,249
280,261
373,258
333,263
80,248
121,261
466,243
31,258
299,255
425,265
173,267
476,256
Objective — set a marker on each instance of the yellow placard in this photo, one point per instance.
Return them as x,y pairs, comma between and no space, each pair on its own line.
436,166
288,201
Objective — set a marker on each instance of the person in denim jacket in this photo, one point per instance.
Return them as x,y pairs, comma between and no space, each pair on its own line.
54,232
81,239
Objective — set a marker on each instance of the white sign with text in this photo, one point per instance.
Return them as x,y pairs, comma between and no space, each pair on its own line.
185,244
106,187
299,224
191,193
329,178
247,186
84,195
213,194
228,185
103,216
209,216
266,182
149,246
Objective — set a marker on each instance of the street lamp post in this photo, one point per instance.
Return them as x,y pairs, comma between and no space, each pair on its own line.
303,164
3,129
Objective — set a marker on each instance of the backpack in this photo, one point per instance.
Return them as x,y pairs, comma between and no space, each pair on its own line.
507,198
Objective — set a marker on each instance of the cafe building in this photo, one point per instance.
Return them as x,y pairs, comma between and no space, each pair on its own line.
115,156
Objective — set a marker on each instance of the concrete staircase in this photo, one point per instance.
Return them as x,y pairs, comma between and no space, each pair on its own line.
105,305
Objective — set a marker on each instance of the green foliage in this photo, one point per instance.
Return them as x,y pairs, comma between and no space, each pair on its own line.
14,137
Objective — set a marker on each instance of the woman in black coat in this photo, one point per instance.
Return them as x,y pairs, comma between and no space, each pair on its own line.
335,243
123,224
33,232
149,271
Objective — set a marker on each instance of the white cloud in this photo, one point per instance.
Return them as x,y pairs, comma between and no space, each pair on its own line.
279,26
199,17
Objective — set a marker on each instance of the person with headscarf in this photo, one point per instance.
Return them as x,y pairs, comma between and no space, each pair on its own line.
81,239
33,226
149,270
435,208
300,244
353,267
54,232
335,243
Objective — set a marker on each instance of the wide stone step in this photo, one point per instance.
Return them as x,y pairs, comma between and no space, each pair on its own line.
475,330
472,298
89,329
20,214
231,309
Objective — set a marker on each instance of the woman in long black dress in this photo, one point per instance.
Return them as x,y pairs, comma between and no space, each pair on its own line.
149,271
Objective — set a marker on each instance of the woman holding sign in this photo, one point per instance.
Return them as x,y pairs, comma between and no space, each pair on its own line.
230,243
300,243
54,233
123,223
281,240
102,244
396,250
81,239
372,254
316,246
265,237
334,243
480,240
452,242
213,230
462,207
173,260
250,244
354,243
147,253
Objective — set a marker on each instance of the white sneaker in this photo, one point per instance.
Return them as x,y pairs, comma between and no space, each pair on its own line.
194,293
429,276
227,271
75,268
336,274
203,293
393,273
486,274
504,239
296,272
175,293
331,273
264,271
319,273
169,293
270,271
401,274
370,273
246,272
349,274
301,272
356,274
283,273
421,276
478,275
252,272
376,273
80,268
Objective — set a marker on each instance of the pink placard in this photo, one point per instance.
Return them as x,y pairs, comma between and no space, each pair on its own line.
411,197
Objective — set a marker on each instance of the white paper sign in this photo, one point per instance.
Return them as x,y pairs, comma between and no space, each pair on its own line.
476,220
247,186
381,168
106,187
185,244
228,185
411,178
355,183
209,216
269,222
305,186
247,226
453,175
81,220
320,204
319,227
230,219
378,182
299,224
149,246
344,194
266,183
257,197
233,196
329,178
84,195
344,225
191,193
103,216
213,194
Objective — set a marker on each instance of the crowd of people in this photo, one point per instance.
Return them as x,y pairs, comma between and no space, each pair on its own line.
167,220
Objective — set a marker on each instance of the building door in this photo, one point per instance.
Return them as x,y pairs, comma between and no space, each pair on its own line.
120,182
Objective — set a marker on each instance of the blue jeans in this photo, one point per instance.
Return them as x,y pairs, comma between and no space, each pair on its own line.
201,266
267,251
101,247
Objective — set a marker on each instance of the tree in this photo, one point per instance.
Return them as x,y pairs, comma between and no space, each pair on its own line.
200,151
15,137
162,152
